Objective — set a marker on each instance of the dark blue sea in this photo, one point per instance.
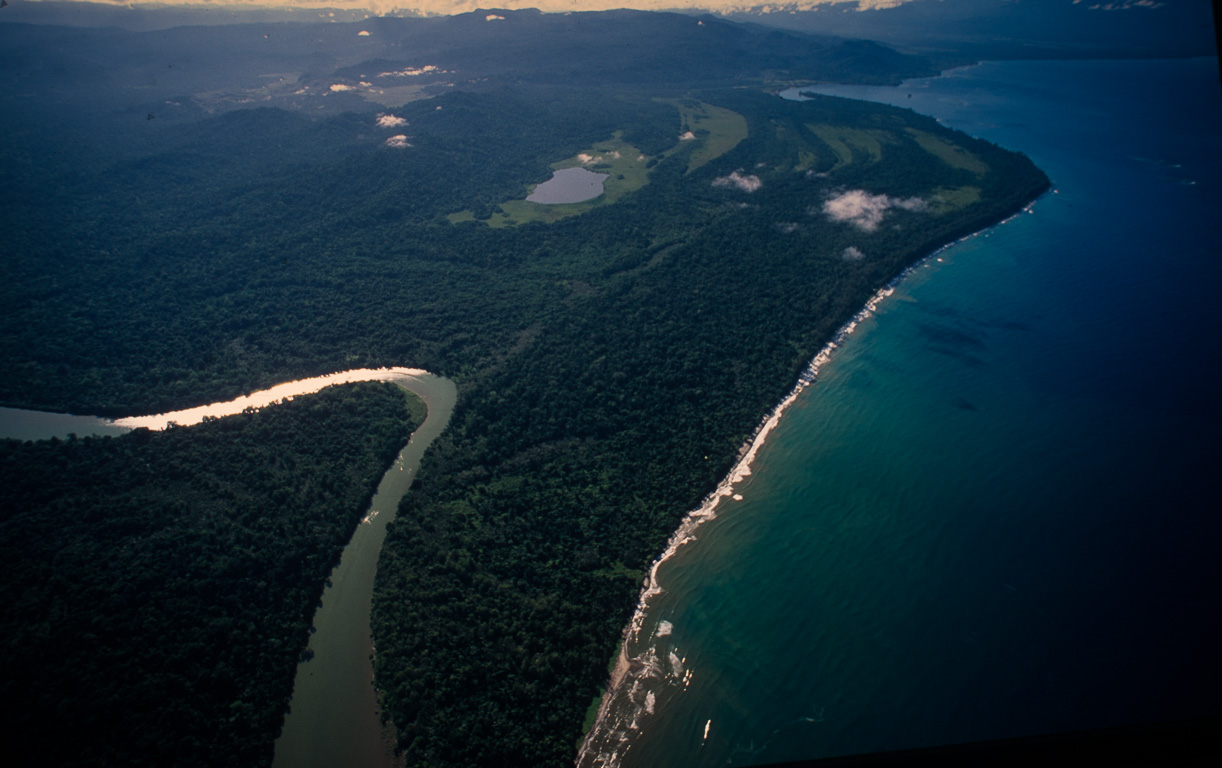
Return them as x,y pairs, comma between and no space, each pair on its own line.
997,513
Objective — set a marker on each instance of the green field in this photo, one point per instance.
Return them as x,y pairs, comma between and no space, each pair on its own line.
951,154
850,144
624,164
715,129
953,199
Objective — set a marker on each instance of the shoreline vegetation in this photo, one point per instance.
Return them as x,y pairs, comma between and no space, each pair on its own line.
626,668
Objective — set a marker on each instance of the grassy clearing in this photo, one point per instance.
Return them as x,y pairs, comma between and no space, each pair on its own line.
802,146
395,95
849,144
624,164
416,407
951,154
591,713
716,129
591,716
947,200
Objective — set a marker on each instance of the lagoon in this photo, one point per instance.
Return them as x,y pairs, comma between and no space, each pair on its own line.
569,185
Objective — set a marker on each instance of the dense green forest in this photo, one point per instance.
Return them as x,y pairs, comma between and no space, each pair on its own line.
507,579
160,585
610,364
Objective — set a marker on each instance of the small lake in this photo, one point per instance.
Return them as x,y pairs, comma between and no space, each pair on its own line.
569,185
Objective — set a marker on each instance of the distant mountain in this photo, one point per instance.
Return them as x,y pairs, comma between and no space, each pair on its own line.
146,17
357,66
1013,29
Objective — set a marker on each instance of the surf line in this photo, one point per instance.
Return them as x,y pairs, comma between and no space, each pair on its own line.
628,669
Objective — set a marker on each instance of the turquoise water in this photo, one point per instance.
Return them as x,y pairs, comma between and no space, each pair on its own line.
996,512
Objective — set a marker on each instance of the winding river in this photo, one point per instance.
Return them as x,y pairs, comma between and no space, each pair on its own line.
334,717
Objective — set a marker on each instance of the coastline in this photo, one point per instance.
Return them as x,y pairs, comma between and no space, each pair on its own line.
624,675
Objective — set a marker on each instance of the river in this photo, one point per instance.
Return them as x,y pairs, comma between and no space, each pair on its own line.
334,720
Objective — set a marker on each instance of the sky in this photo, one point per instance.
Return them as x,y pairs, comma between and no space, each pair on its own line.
463,6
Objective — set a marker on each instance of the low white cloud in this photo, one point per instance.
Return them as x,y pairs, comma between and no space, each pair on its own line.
427,69
687,136
494,17
736,180
1124,5
852,253
363,33
341,87
390,121
398,142
866,211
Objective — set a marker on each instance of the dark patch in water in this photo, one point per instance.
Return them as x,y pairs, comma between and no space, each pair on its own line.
941,335
1010,325
963,356
964,404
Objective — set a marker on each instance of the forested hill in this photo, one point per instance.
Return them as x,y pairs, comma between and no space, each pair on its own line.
295,65
181,246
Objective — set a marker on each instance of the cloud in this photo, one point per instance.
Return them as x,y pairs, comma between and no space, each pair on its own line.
852,253
688,136
390,121
398,142
363,33
427,69
1124,5
494,17
737,180
865,210
451,7
341,87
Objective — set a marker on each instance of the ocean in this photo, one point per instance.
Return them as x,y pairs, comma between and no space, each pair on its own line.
996,512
